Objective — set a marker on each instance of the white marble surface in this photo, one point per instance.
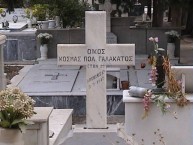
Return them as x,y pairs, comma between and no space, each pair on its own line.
30,30
42,115
79,84
38,133
60,123
2,76
39,79
174,131
96,54
20,12
15,26
2,39
114,135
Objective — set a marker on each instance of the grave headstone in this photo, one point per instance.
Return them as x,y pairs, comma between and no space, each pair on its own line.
137,9
18,12
108,7
96,55
2,76
111,38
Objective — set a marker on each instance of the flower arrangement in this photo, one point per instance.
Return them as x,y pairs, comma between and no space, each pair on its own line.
172,36
44,38
15,108
173,90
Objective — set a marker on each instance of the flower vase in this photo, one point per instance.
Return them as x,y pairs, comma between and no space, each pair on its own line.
160,75
29,23
43,24
52,24
57,19
170,50
11,137
43,51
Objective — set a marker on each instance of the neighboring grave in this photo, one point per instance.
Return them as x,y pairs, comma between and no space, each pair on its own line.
108,7
137,9
49,79
19,26
18,12
96,55
2,76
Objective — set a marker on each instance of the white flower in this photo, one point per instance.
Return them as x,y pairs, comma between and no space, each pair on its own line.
172,33
156,39
151,39
44,35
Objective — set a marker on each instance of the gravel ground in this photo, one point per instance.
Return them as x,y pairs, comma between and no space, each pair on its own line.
11,71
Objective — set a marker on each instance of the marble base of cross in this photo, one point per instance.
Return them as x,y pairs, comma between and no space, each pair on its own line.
96,55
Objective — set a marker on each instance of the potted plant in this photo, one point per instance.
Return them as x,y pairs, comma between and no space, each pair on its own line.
39,11
15,108
44,39
172,36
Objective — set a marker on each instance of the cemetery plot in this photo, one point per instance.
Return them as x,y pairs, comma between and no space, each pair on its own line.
96,54
44,79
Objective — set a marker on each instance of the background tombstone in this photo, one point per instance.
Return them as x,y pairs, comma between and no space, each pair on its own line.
2,76
108,7
96,54
137,9
18,12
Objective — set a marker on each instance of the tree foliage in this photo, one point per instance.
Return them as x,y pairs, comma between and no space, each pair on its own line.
11,4
71,12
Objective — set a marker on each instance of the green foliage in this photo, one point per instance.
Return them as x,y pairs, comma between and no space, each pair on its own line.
33,2
11,4
162,104
101,1
39,11
11,119
177,3
53,11
71,12
15,108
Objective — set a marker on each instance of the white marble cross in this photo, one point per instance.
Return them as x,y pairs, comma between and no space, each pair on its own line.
96,54
108,7
2,76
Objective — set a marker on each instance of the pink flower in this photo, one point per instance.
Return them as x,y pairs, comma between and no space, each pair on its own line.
156,39
151,39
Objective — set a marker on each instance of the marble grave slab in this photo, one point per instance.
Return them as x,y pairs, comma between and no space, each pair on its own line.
44,78
15,26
